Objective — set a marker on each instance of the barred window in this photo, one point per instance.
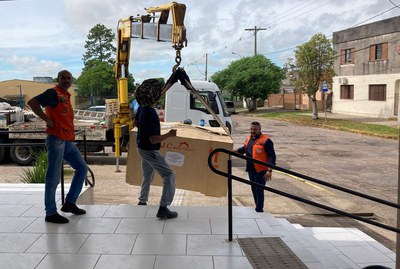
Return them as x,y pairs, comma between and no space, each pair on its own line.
346,91
377,92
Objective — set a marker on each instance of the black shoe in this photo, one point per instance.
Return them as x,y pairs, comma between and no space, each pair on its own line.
56,218
165,213
142,203
72,208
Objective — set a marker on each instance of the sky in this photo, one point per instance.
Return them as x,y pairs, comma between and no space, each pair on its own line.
40,37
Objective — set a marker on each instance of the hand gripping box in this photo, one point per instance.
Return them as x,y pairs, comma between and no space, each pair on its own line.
187,155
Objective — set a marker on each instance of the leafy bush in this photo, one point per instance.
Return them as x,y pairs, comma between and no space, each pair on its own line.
38,173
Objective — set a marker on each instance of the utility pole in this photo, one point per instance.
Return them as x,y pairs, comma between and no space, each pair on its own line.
205,74
255,29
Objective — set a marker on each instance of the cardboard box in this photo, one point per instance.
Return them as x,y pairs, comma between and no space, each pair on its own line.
187,155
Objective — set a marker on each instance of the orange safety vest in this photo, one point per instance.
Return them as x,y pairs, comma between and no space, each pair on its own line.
258,152
62,115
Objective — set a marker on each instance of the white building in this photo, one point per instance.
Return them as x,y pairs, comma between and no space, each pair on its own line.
367,69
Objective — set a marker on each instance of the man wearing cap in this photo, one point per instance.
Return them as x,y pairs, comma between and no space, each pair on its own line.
148,141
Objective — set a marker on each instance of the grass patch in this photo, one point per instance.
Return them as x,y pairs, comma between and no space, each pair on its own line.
301,118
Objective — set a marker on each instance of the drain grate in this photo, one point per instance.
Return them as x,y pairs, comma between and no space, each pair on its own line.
269,252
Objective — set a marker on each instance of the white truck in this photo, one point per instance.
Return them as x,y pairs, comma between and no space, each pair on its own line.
181,105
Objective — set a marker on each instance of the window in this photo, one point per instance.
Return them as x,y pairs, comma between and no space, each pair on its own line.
346,91
378,52
377,92
347,56
209,98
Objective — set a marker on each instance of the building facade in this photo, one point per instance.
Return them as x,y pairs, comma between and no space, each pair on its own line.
367,69
25,89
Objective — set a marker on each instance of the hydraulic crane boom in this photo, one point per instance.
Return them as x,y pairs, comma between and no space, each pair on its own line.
145,26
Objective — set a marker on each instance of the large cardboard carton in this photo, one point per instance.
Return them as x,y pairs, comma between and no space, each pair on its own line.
187,155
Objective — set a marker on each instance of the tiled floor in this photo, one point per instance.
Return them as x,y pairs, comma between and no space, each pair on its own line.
128,236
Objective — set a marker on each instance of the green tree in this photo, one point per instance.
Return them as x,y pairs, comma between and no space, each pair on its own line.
97,80
313,65
99,46
97,77
250,77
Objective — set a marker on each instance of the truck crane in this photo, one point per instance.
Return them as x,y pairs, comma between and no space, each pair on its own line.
144,26
150,26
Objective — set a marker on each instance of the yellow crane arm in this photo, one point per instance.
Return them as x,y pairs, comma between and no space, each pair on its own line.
144,26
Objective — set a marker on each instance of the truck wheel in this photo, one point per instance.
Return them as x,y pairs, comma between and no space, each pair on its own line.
22,155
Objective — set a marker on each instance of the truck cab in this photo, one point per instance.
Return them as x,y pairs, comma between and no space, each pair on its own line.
180,105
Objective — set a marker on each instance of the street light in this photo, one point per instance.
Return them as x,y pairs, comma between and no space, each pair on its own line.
237,54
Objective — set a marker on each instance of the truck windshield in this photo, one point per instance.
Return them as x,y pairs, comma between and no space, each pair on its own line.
222,102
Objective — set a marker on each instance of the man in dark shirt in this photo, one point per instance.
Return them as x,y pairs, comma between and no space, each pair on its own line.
59,118
148,141
260,147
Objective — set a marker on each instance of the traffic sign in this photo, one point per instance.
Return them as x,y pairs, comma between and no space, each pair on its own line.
324,86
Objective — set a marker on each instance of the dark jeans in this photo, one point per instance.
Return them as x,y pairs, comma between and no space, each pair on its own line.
258,193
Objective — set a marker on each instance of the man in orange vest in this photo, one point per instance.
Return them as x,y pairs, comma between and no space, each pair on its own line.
59,118
259,147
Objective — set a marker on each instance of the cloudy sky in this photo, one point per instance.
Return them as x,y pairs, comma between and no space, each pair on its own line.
41,37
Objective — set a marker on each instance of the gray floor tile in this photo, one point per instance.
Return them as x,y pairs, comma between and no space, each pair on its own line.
109,244
212,245
126,262
95,225
41,226
125,211
140,225
20,260
246,212
264,227
239,226
35,211
13,210
229,262
33,199
391,265
58,243
94,211
173,262
12,199
16,242
364,254
160,244
68,261
14,224
208,212
188,226
341,238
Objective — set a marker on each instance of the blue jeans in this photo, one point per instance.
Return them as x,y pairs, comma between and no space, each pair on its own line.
153,160
57,151
258,193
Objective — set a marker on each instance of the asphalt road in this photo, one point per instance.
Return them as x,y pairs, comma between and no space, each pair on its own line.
365,164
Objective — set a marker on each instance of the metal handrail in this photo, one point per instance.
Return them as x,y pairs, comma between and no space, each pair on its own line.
291,196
